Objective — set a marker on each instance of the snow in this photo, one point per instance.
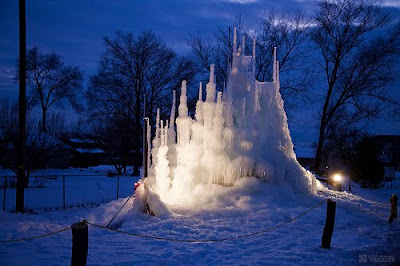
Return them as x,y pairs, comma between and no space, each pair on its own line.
74,140
82,186
88,150
246,208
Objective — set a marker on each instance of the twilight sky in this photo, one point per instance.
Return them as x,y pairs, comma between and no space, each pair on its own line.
75,28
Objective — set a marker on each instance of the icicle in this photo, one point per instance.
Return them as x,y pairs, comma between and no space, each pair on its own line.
183,110
274,67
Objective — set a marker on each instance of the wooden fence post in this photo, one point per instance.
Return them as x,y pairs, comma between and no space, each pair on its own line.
329,223
393,207
79,243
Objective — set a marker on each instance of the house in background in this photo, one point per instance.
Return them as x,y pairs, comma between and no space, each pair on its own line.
388,149
85,152
305,154
42,152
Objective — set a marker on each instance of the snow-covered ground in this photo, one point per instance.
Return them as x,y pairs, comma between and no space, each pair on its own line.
82,186
240,210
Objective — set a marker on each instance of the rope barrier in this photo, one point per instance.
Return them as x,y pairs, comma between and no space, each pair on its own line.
376,210
35,237
208,240
133,195
351,209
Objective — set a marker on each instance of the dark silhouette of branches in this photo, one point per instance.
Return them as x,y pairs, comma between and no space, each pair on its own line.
137,74
51,82
357,65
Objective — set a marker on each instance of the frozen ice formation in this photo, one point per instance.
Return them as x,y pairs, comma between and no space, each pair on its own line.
240,134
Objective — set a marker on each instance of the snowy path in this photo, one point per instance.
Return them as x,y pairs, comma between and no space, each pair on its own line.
356,233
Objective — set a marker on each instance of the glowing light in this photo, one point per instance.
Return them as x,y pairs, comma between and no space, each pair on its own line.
337,178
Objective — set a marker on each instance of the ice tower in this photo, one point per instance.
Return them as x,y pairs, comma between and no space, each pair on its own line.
237,135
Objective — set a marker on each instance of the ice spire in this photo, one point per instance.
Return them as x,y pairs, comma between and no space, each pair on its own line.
254,55
200,92
183,110
173,110
199,105
166,132
219,97
234,41
162,137
148,142
157,137
278,85
243,45
210,87
274,67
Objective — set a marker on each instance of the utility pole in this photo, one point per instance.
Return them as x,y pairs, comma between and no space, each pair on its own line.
145,146
22,110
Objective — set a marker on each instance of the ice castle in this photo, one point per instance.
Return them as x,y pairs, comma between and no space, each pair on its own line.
241,133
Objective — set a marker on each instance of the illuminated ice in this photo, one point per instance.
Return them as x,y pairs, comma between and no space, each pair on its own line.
240,134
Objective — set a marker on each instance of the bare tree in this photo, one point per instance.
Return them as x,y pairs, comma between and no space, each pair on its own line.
132,69
357,65
8,122
287,32
51,82
39,144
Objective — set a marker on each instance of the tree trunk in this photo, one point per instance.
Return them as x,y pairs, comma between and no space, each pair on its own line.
318,154
44,114
323,124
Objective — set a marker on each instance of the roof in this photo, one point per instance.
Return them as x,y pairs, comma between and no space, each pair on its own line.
304,150
88,150
75,140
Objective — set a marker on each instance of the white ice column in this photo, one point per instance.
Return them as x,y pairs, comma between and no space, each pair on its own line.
209,104
234,41
156,141
278,85
183,110
171,128
199,105
274,66
183,122
254,57
210,88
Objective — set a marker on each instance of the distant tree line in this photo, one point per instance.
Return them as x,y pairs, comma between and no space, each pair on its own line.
347,52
